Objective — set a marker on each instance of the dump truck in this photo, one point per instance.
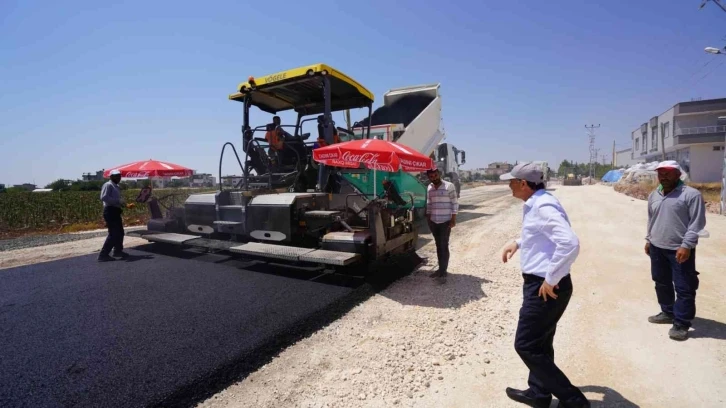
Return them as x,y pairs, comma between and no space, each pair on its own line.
411,116
283,210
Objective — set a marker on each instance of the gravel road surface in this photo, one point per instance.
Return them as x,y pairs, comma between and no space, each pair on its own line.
154,329
424,345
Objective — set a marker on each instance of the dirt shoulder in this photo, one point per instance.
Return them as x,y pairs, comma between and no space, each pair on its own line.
426,345
606,340
47,253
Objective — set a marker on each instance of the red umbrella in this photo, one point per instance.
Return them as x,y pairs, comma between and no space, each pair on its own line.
150,168
375,154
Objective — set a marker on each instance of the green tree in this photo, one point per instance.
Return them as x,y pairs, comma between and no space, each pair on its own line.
59,185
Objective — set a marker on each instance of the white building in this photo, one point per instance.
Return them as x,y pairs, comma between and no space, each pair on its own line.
690,133
624,158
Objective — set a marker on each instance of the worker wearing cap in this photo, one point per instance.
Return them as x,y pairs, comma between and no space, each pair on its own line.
112,208
549,248
676,214
441,208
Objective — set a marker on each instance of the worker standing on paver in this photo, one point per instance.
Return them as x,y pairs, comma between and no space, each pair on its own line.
441,208
112,209
676,214
549,248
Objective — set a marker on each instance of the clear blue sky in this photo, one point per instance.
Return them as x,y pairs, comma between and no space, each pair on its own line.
87,86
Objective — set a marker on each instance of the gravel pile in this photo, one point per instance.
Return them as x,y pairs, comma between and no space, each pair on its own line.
42,240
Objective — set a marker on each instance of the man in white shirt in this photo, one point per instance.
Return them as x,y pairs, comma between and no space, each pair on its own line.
113,203
549,248
442,205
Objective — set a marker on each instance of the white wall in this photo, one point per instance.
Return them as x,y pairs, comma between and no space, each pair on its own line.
624,158
635,154
706,163
666,117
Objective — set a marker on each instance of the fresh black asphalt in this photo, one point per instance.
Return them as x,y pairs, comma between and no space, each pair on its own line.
155,330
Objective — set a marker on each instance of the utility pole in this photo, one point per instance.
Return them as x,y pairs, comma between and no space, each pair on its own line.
612,167
593,152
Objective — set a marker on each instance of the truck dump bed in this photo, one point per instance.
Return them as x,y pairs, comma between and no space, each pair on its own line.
418,109
403,110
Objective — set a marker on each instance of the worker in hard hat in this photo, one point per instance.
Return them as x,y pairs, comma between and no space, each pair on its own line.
113,204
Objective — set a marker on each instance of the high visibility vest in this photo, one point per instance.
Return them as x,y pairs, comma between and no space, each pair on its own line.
336,139
274,139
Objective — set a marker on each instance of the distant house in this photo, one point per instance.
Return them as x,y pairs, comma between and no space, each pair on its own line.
691,133
93,177
498,168
199,180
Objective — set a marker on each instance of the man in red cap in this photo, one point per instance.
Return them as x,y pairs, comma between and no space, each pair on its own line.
676,214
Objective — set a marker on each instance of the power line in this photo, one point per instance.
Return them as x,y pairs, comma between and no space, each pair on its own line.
711,72
718,3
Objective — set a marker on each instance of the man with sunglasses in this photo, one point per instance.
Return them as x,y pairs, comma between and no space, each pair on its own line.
549,248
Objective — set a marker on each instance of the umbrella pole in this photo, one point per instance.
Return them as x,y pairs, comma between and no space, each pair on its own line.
374,184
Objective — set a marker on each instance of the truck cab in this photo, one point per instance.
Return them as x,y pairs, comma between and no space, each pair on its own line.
448,159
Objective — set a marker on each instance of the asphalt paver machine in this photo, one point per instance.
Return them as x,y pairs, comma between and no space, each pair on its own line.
282,210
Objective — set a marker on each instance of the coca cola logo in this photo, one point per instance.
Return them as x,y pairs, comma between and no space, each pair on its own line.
367,158
138,174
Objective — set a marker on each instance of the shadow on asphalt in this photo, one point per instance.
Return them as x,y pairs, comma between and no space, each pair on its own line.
264,267
170,250
458,290
707,329
611,398
136,258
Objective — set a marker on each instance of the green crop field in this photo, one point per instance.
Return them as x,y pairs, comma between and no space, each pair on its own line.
52,211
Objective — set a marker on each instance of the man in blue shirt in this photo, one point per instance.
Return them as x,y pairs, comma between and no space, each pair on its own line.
549,248
112,209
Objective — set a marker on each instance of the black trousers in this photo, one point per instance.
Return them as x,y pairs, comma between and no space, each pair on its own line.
667,273
441,233
115,238
535,336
